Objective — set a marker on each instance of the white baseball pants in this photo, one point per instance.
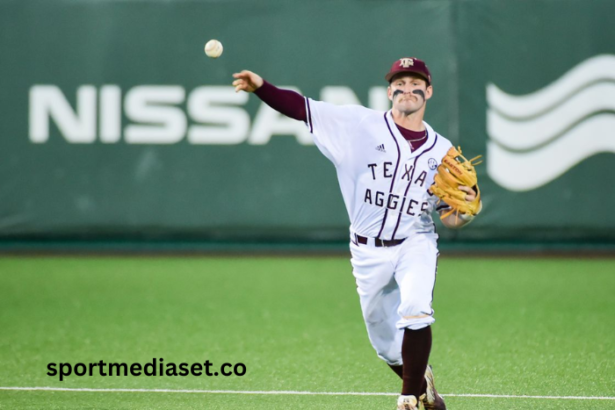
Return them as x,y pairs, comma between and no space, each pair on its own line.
395,286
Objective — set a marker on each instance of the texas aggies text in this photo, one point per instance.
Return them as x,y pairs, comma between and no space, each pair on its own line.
392,201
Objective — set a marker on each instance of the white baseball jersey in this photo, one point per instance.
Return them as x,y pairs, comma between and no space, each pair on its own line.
384,184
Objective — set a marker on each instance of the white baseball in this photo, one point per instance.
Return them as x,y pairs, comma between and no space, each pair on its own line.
213,48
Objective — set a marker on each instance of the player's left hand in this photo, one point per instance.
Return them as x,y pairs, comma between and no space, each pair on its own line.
456,185
471,194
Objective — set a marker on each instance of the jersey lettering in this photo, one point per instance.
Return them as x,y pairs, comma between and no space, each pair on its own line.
386,169
407,172
424,207
392,204
392,201
421,178
410,207
372,166
379,198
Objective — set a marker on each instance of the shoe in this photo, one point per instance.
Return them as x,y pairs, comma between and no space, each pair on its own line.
431,400
407,403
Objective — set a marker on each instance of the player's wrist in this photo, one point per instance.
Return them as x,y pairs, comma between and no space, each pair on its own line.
264,89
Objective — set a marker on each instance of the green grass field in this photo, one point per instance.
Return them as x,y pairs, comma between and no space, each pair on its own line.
514,326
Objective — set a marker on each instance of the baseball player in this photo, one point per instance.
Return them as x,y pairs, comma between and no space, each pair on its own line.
385,163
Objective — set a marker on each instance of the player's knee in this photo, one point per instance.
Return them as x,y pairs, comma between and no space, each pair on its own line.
373,317
415,309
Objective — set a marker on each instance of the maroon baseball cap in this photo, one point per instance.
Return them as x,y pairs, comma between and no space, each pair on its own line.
409,65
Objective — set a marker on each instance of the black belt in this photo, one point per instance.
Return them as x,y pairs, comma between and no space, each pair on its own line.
379,242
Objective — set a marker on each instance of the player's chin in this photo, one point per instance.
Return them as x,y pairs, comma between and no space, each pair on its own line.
408,109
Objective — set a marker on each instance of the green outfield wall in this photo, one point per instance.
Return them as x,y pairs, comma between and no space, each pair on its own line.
114,123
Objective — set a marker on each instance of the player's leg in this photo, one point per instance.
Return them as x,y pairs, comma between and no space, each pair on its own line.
415,350
398,369
415,275
429,396
379,296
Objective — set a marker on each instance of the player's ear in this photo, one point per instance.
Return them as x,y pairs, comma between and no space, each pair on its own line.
428,92
390,93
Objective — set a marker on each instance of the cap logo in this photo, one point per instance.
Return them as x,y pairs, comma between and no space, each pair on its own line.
406,62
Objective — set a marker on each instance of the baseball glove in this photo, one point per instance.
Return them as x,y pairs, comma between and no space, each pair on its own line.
456,170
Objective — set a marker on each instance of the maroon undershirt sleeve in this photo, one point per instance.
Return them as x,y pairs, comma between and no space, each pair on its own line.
287,102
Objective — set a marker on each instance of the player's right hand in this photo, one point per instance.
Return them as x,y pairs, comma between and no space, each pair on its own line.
247,81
